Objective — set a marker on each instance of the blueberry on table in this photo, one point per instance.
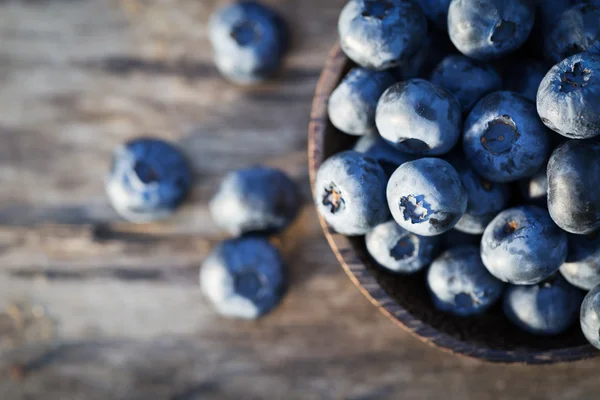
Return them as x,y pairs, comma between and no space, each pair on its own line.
390,158
353,103
350,193
148,180
573,186
256,199
419,117
582,268
535,188
489,29
459,283
248,40
590,317
523,246
525,77
467,79
426,196
381,34
568,99
547,308
504,139
243,277
398,250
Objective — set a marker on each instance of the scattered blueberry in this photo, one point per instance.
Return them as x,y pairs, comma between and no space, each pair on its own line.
524,77
243,277
582,268
523,246
535,188
576,30
390,158
248,40
573,182
460,284
568,99
504,139
590,317
350,193
399,250
467,79
381,34
547,308
255,199
488,29
426,196
148,180
352,104
419,117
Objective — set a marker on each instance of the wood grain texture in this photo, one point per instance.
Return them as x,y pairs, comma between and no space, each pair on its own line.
94,308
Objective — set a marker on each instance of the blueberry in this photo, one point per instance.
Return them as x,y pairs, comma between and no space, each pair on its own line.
399,250
535,188
573,182
523,246
436,12
455,238
524,77
352,104
504,139
415,65
390,158
255,199
576,30
350,193
426,196
243,277
419,117
582,268
148,180
381,34
590,317
460,284
248,40
547,308
568,99
467,79
488,29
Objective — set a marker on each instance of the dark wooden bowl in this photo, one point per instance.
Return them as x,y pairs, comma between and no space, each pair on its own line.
404,299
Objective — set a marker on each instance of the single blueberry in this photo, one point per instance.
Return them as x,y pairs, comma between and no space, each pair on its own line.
547,308
488,29
148,180
390,158
460,284
576,30
535,188
590,317
248,40
504,139
467,79
525,77
582,268
243,277
573,182
436,12
568,99
523,246
426,196
399,250
419,117
255,199
381,34
350,193
353,103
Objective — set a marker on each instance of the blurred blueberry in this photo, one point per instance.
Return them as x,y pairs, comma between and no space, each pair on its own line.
419,117
436,12
535,189
352,104
504,139
148,180
460,284
350,193
390,158
248,40
426,196
255,199
523,246
381,34
243,277
547,308
582,268
525,77
590,317
399,250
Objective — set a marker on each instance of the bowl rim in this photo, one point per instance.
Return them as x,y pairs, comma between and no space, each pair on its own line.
366,282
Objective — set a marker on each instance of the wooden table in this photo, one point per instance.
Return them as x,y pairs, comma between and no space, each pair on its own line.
94,308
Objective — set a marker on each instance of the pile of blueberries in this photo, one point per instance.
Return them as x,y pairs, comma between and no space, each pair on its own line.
476,119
